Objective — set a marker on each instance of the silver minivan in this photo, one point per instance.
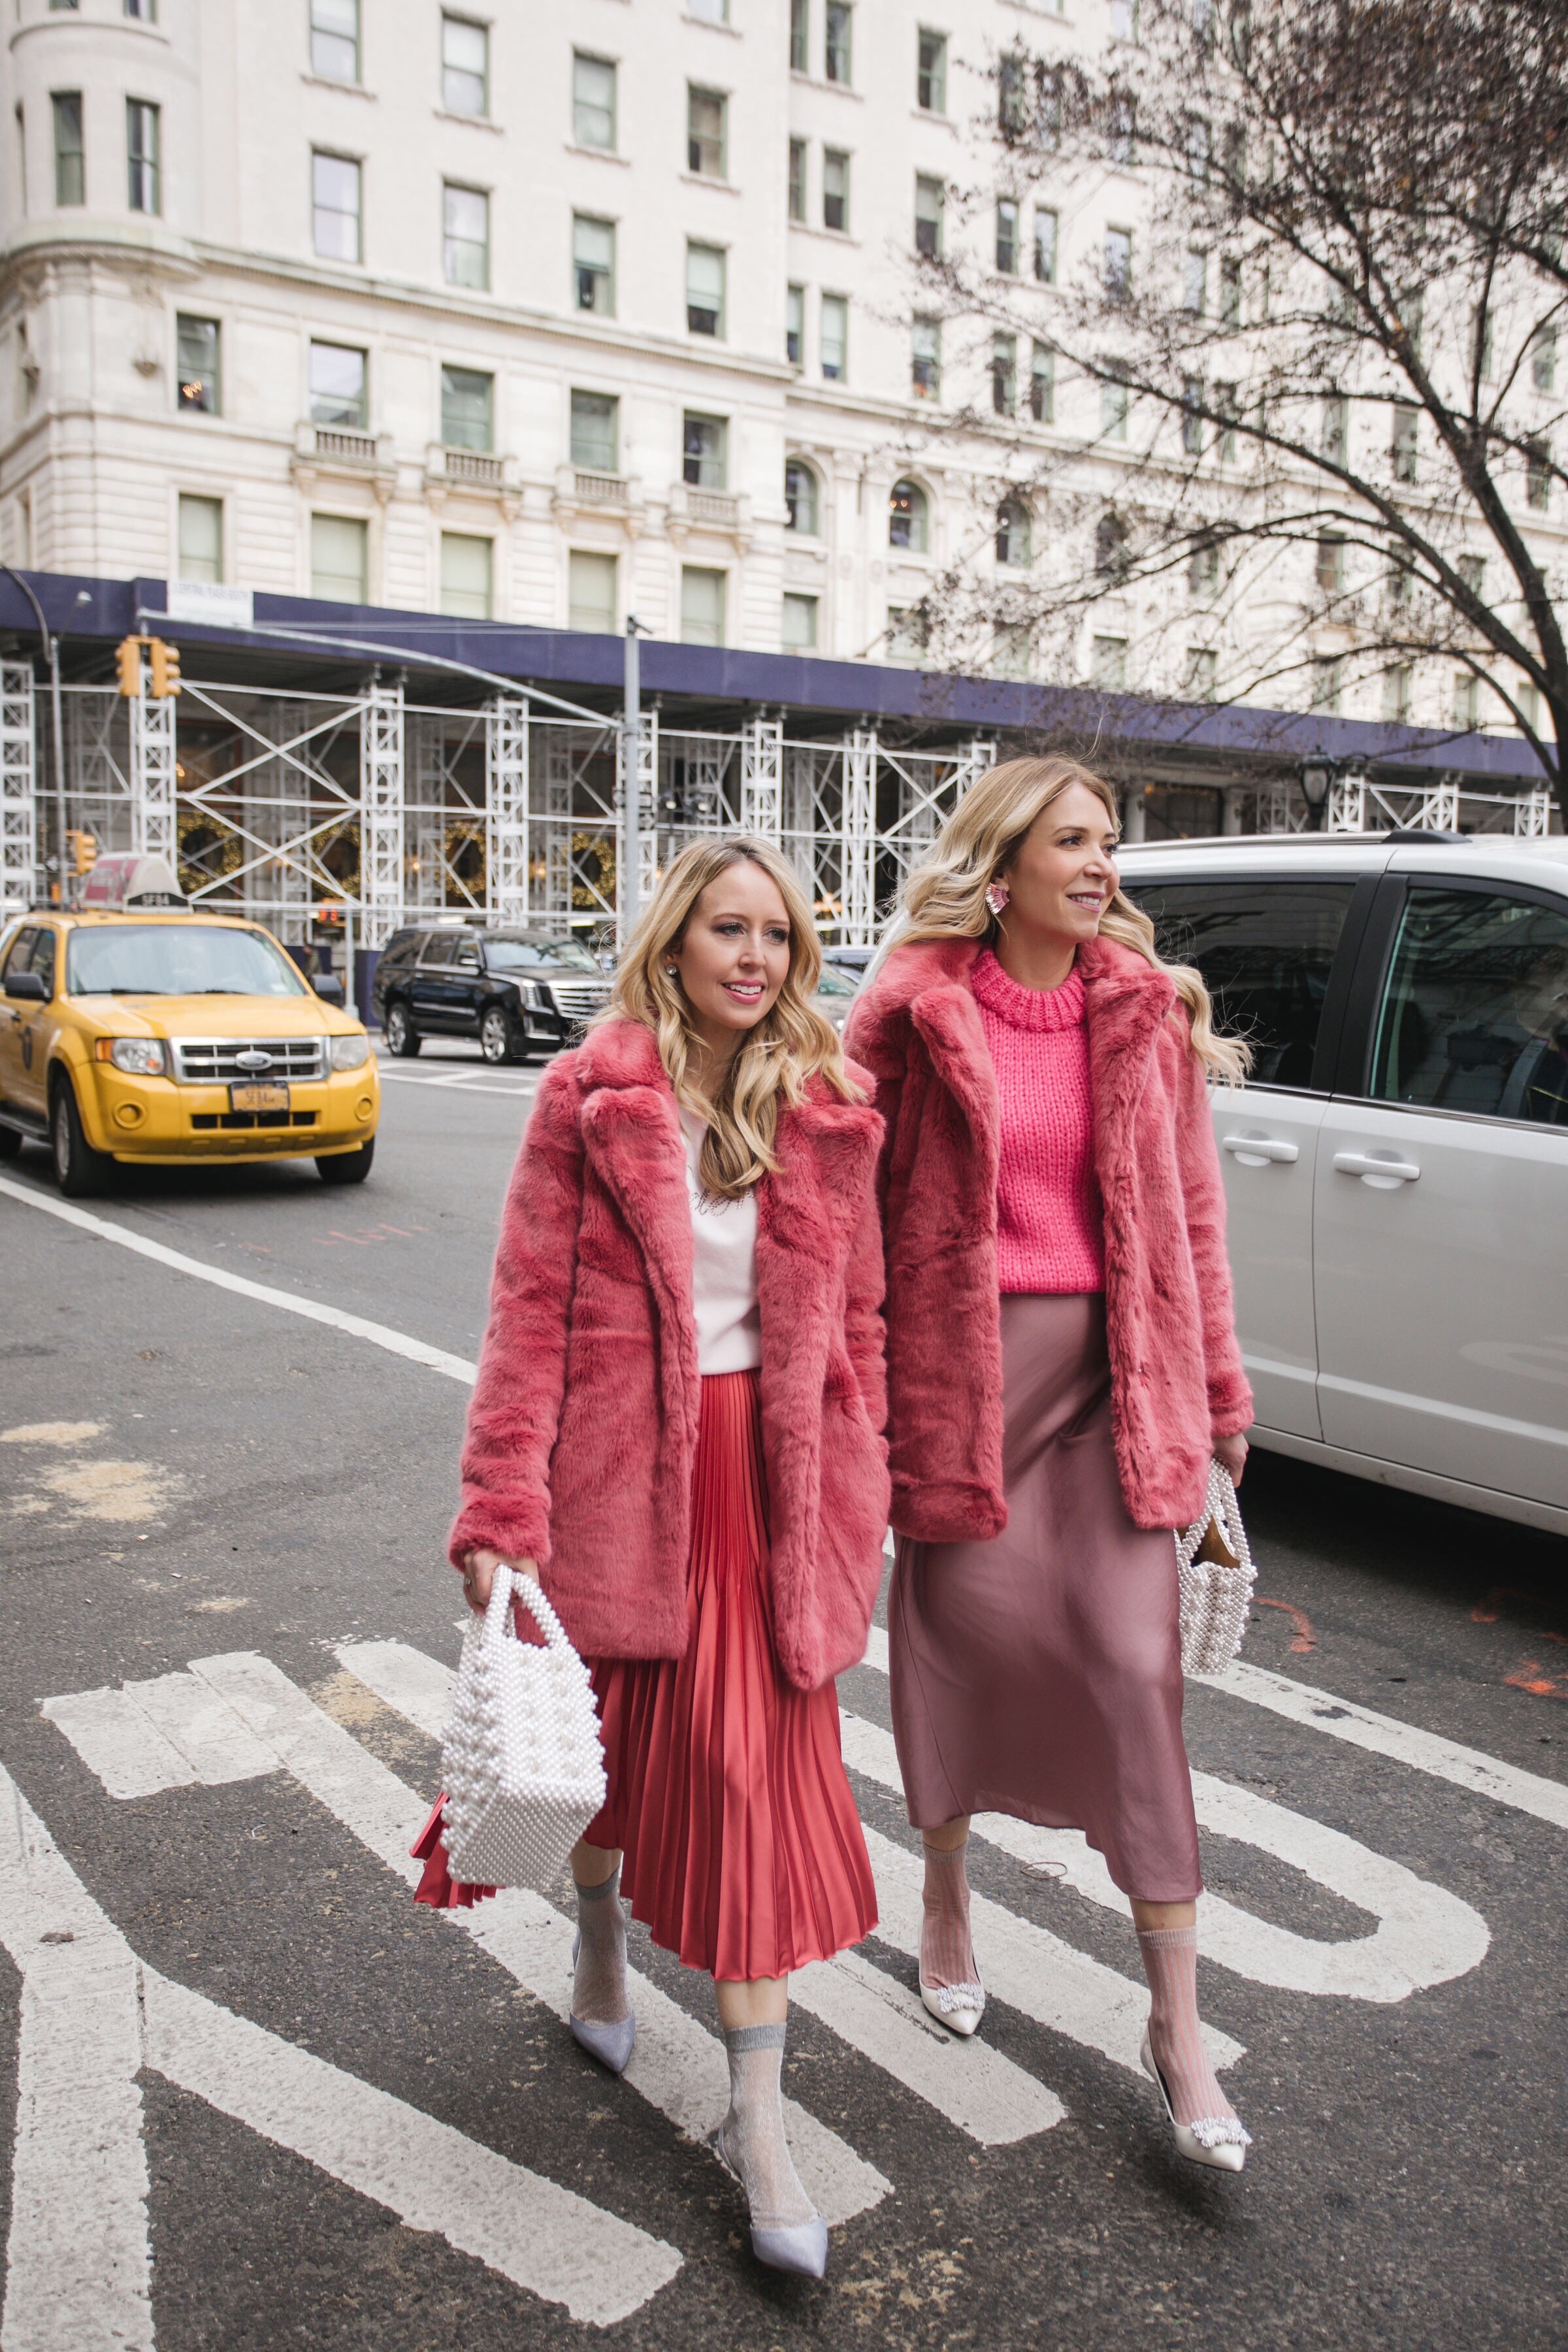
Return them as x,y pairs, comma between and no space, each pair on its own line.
1397,1168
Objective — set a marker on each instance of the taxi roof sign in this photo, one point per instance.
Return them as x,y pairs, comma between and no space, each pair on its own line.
128,880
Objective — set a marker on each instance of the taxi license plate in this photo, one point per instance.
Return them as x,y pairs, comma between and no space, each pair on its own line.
258,1095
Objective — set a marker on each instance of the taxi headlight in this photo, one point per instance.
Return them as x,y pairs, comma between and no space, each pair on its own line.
351,1053
144,1057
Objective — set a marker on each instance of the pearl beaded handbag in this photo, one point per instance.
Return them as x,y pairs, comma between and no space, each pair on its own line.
521,1758
1214,1571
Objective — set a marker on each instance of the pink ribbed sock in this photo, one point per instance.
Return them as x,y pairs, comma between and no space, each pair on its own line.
947,1955
1170,1964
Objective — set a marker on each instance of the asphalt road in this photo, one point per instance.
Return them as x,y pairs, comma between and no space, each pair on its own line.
264,2101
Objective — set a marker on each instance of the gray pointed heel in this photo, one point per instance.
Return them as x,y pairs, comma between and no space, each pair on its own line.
610,2044
799,2247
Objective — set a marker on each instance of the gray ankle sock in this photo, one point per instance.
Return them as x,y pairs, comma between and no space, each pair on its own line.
599,1985
752,2136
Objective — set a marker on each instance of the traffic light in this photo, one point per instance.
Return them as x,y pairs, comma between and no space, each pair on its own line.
83,849
165,661
128,662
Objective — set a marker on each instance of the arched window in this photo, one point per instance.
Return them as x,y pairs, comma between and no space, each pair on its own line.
1110,557
907,517
1013,533
800,497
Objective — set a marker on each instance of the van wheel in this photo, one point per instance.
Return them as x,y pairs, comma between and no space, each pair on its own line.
346,1166
402,1037
10,1143
78,1168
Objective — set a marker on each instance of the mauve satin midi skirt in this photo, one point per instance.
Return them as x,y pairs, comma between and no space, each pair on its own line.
1040,1675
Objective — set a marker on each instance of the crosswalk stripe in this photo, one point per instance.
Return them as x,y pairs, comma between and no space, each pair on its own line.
116,1741
679,2066
974,2085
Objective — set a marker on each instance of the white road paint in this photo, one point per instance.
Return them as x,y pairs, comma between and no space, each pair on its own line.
974,2086
358,1327
171,1733
471,1085
93,2017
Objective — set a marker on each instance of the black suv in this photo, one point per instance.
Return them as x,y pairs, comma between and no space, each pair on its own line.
516,991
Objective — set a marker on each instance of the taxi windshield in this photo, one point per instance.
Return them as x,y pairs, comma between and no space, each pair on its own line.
177,959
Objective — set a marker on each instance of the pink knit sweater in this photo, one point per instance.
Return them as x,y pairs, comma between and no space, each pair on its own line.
1049,1223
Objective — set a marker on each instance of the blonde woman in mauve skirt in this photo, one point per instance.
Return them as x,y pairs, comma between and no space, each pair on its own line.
1062,1365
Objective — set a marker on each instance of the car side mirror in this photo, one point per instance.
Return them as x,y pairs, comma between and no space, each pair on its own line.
330,989
28,986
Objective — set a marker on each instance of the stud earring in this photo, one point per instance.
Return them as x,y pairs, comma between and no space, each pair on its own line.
672,971
997,896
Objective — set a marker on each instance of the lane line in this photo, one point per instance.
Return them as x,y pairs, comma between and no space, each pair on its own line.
974,2086
358,1327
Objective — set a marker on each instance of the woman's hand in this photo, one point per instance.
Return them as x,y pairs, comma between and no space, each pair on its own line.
1230,1452
480,1574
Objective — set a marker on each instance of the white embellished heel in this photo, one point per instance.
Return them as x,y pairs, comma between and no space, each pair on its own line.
959,2007
1219,2141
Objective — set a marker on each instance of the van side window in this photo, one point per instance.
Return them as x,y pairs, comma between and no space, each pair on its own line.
1475,1014
1266,950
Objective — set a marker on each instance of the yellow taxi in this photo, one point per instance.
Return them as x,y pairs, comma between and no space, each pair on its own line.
132,1029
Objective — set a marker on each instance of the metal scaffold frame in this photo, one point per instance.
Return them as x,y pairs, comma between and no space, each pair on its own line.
18,788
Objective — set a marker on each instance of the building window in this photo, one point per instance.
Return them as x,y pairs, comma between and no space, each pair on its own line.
1045,231
465,65
1543,358
593,101
1108,664
1403,441
705,290
70,177
1397,694
838,55
145,11
340,553
201,538
705,133
1225,401
335,206
794,325
466,237
797,179
1198,684
1042,384
1113,408
1195,284
835,188
1538,471
1003,375
1124,20
1191,415
338,390
931,72
1473,571
1331,566
1336,429
468,408
467,569
334,39
1012,534
908,635
595,431
1118,263
908,518
196,364
701,607
1230,293
799,36
709,12
835,337
591,592
800,497
1328,673
925,359
1012,649
1007,238
594,264
1111,561
703,441
799,632
142,156
1528,700
1202,568
930,206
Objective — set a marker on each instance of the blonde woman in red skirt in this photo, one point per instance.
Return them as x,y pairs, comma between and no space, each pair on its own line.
677,1428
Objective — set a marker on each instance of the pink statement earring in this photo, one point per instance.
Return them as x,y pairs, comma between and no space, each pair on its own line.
997,896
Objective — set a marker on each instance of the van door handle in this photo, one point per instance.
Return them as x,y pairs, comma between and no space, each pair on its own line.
1381,1171
1255,1150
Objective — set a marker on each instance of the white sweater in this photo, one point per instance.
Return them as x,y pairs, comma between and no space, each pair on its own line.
723,1269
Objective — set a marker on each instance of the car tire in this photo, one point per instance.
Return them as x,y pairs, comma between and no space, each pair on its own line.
497,1038
79,1171
10,1142
402,1037
346,1166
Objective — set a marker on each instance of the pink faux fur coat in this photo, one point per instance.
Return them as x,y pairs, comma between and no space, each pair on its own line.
1176,1372
583,1429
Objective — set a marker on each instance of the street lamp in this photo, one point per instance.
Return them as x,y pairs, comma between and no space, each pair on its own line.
1316,777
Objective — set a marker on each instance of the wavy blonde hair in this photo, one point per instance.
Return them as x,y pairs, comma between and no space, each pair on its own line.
791,1044
944,898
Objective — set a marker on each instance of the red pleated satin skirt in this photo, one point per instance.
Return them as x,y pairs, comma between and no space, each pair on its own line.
743,1850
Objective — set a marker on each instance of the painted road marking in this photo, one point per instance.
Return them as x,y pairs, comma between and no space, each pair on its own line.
397,1343
93,2016
470,1086
994,2102
166,1734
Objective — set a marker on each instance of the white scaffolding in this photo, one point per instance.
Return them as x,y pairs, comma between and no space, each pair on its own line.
506,807
762,779
859,837
381,811
18,789
155,827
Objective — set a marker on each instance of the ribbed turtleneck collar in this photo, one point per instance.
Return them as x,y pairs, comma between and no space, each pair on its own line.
1026,1008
